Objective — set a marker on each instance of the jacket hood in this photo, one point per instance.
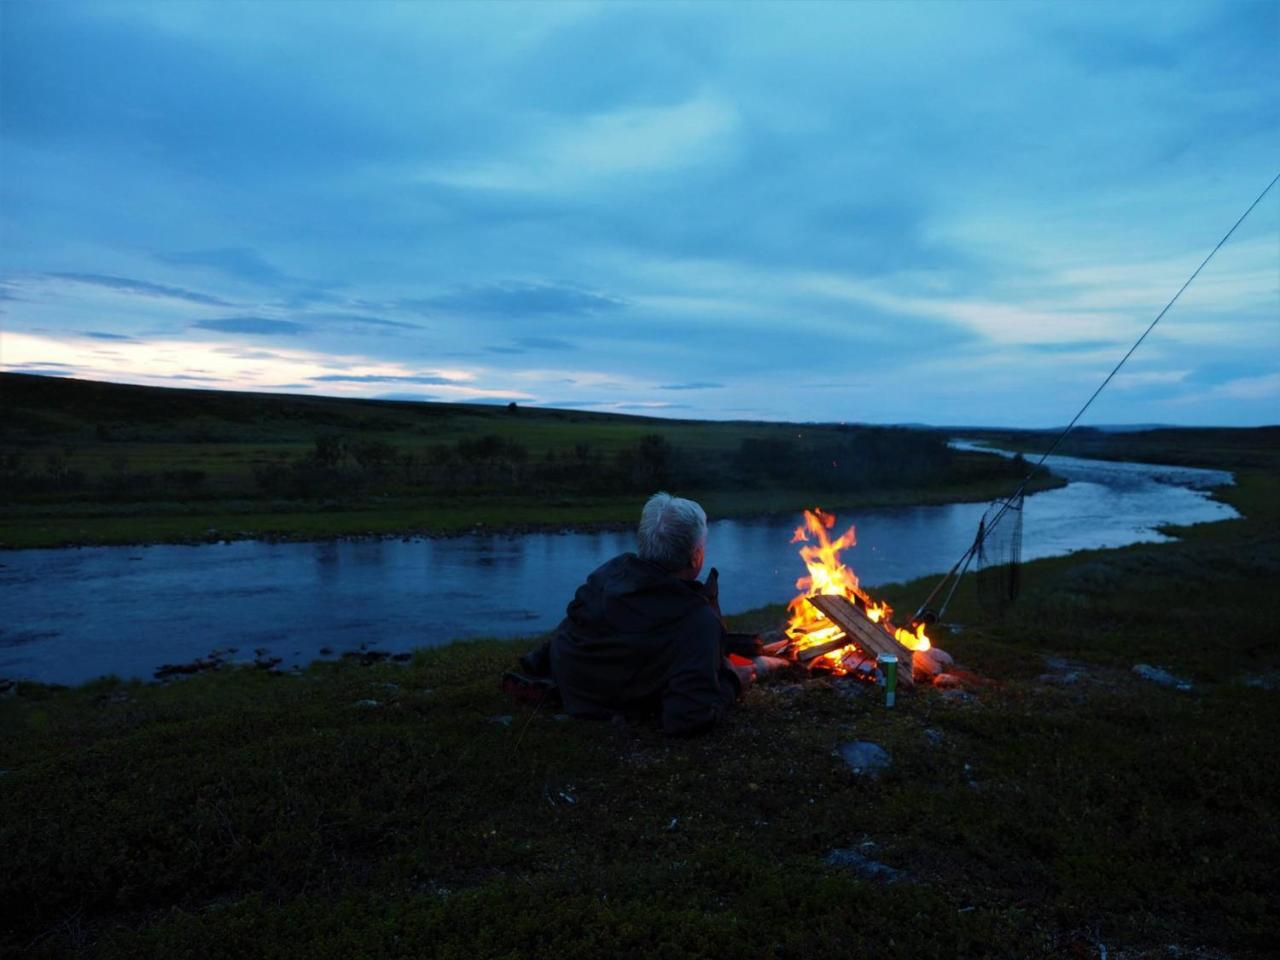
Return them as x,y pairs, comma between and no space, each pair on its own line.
630,595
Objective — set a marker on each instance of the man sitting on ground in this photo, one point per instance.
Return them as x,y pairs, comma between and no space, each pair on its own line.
643,634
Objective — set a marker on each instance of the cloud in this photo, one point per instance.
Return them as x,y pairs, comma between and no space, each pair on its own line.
243,354
693,385
575,403
383,378
142,287
59,371
517,300
239,262
546,343
253,325
627,141
1148,378
363,320
534,343
1264,387
99,335
642,405
416,397
648,184
1074,346
155,361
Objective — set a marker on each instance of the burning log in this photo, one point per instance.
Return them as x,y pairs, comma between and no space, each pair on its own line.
805,654
858,629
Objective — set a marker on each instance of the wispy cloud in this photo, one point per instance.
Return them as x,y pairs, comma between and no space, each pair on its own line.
362,320
546,343
383,378
692,385
1265,387
142,287
258,326
241,263
102,335
512,299
627,141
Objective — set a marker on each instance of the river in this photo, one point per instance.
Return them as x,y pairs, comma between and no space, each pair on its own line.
73,614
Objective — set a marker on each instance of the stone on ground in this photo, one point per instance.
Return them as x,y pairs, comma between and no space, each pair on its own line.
865,757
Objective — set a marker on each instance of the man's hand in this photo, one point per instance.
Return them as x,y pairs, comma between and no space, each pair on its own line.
767,665
757,668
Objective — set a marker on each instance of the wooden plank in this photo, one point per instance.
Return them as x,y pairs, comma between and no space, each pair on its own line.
871,637
818,649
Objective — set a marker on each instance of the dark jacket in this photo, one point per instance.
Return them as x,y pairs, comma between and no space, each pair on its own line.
637,638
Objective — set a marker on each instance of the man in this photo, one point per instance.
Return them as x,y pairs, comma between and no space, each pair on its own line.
643,634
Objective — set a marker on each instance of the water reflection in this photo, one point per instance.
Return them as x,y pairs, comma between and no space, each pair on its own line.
71,615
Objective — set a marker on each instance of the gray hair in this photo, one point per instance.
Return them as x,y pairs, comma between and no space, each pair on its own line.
671,529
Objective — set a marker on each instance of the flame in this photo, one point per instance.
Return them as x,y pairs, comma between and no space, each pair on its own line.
828,575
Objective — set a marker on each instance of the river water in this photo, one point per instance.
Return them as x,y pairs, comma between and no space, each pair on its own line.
73,614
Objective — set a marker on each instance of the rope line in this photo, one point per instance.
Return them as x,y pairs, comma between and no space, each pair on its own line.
977,543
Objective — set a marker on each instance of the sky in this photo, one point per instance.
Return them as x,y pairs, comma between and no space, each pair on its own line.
945,213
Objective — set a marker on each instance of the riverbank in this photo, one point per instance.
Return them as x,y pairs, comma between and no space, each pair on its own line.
105,525
92,464
1068,806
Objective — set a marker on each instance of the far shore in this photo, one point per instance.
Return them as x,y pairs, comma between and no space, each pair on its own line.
500,516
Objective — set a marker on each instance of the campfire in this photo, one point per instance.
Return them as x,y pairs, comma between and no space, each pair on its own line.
835,626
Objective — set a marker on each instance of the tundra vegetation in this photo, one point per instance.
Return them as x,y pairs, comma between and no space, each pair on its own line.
1068,808
85,462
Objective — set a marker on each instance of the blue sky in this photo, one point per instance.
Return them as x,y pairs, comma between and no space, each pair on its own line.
885,212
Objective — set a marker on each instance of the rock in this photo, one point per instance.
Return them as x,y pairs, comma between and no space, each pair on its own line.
865,757
1060,679
1261,681
849,688
926,664
1162,677
862,866
933,736
366,704
504,719
956,696
948,681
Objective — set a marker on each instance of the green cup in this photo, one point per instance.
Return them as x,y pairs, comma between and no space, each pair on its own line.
888,664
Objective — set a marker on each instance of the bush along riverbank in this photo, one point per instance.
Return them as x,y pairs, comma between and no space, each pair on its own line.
1070,807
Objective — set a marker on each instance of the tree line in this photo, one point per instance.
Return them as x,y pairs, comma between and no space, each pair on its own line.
341,465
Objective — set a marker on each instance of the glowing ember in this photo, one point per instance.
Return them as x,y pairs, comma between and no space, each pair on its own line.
828,575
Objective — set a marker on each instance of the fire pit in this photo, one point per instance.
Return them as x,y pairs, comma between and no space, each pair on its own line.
835,626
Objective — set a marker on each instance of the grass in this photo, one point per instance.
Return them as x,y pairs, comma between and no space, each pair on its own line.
245,814
98,463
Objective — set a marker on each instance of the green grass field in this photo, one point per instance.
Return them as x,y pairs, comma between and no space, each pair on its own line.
97,463
1067,809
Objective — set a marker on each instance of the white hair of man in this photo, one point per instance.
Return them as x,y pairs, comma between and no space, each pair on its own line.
671,531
